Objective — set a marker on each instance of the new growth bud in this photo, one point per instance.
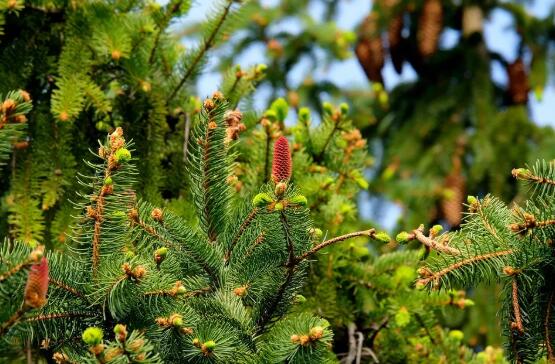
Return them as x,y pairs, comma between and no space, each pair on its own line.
261,200
299,200
382,237
403,237
122,155
92,336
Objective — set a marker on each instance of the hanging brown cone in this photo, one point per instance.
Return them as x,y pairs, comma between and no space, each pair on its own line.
518,87
473,20
369,48
395,39
454,195
452,203
429,27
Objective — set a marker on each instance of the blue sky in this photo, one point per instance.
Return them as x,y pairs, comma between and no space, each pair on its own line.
498,34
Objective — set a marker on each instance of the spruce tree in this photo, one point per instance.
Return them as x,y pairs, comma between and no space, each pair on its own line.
217,288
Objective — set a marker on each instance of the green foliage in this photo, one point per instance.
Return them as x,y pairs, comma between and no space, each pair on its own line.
513,247
91,67
217,291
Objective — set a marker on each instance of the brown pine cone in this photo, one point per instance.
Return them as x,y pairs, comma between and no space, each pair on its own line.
519,86
395,40
452,203
369,48
429,27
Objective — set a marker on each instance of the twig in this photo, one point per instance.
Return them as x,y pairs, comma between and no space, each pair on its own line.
207,44
246,223
66,287
432,244
186,132
54,316
13,319
338,239
377,330
352,344
457,265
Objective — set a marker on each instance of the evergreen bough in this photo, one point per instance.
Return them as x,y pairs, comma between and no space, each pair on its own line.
215,289
512,246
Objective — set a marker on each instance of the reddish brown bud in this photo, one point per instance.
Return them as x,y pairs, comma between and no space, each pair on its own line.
37,285
282,164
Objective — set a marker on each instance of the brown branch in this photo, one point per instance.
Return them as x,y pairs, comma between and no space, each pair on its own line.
174,292
207,44
13,319
550,353
432,244
530,223
516,308
259,240
66,287
527,175
54,316
338,239
430,276
134,216
246,223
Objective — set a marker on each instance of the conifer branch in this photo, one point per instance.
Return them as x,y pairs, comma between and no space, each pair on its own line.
246,223
55,316
259,240
66,287
269,312
206,46
369,233
430,276
134,216
530,223
15,318
432,244
527,175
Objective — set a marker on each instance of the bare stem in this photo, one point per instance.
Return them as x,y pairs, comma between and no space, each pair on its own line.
432,244
246,223
436,276
338,239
